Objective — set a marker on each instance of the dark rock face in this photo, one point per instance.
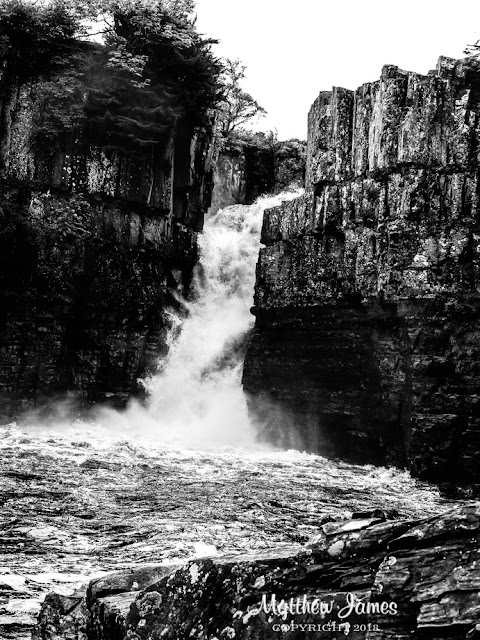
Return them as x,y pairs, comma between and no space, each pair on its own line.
229,180
246,171
92,241
367,297
383,578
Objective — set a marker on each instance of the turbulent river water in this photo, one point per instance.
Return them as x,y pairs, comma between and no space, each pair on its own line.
183,477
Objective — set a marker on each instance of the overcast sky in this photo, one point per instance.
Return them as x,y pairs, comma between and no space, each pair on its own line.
297,48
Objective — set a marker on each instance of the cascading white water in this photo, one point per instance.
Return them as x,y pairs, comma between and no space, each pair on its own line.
196,395
196,398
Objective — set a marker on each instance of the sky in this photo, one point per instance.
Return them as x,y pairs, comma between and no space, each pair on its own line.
295,49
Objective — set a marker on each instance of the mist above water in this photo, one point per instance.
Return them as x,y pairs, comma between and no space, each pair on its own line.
195,399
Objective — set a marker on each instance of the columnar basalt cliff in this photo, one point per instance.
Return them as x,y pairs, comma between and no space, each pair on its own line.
366,343
92,241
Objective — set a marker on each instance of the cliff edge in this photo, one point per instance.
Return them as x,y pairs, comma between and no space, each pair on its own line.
367,296
104,182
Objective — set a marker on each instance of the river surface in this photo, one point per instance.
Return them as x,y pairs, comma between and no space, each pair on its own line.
81,502
182,477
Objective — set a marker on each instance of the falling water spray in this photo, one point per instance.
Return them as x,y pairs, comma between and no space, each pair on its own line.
196,396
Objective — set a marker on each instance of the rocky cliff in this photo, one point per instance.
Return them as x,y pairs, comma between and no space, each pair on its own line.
247,169
93,238
367,298
368,577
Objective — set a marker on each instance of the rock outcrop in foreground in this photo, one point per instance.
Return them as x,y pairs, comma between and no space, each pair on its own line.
366,343
367,577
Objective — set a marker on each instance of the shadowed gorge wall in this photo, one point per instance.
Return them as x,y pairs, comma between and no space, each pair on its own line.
93,240
247,170
367,293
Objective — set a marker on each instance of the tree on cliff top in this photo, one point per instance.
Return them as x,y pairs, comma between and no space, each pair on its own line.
34,38
153,68
145,38
238,107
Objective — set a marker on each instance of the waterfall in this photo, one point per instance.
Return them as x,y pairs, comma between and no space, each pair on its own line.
196,396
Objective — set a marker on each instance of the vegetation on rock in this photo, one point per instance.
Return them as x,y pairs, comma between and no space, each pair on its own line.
238,106
268,165
34,39
266,141
153,69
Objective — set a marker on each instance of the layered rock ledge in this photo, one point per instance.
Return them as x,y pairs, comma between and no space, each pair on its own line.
370,576
367,298
93,240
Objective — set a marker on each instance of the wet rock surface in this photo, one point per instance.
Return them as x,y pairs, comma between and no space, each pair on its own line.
80,502
367,293
370,578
